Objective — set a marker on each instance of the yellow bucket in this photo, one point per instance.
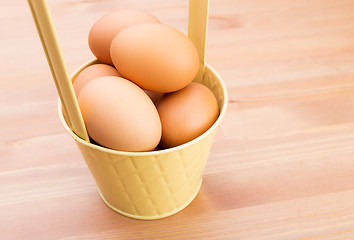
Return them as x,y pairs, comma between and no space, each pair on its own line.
155,184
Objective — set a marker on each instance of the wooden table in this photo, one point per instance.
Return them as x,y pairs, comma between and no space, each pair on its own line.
281,167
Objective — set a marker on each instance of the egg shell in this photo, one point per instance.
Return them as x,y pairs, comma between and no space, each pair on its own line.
105,29
156,57
92,72
119,115
186,114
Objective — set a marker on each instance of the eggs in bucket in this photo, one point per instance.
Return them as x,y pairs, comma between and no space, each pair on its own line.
155,56
154,101
92,72
106,28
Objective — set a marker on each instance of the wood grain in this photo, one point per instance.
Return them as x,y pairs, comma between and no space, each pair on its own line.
281,166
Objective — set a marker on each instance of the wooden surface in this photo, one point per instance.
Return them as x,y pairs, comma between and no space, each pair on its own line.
281,167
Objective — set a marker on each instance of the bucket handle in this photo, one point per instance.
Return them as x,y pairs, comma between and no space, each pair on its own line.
197,31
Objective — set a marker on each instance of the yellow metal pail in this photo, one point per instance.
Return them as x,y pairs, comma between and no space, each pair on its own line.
155,184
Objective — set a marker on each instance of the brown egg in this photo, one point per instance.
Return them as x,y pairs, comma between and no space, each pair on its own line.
186,114
106,28
156,57
119,115
92,72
